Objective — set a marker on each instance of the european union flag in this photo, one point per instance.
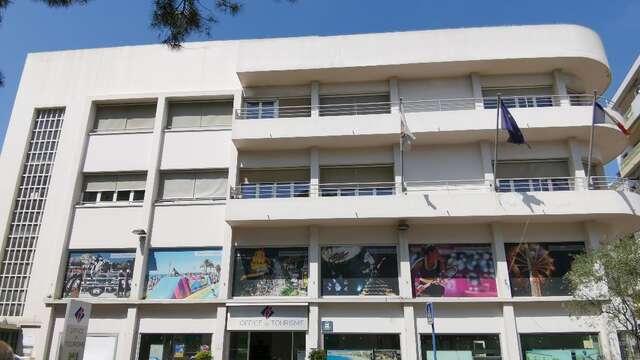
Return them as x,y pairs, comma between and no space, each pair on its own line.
509,124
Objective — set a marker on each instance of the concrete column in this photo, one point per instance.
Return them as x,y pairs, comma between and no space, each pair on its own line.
509,338
128,341
313,340
404,282
151,190
237,102
476,89
560,87
394,95
576,166
409,337
397,168
486,152
315,99
314,168
313,289
219,346
502,270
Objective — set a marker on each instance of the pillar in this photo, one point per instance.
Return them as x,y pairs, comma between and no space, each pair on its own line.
394,95
220,342
397,168
409,337
560,87
476,89
315,99
314,168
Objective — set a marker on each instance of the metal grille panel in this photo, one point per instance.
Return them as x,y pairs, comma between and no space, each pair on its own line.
31,197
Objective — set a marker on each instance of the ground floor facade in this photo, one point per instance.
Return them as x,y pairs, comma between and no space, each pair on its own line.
369,329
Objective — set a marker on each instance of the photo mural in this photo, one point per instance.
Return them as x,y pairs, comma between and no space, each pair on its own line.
271,272
537,269
184,273
359,270
453,270
102,274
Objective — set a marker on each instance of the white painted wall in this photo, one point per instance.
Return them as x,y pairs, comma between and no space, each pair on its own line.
456,319
199,149
188,225
118,152
178,319
105,227
354,318
445,162
443,88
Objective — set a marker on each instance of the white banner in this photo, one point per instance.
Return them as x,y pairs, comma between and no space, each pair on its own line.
271,318
74,334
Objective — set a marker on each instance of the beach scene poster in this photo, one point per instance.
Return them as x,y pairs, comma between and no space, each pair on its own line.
184,273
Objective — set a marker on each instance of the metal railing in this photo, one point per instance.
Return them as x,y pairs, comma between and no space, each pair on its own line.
428,105
510,185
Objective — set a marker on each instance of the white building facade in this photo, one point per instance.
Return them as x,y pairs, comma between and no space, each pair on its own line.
252,197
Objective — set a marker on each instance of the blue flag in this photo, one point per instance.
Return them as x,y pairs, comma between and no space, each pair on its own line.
509,124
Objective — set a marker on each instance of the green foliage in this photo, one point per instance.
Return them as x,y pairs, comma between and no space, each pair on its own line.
203,355
318,354
608,279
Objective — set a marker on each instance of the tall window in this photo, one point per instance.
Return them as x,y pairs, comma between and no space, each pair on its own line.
113,188
194,185
28,207
471,347
260,109
357,180
560,346
124,117
533,175
201,114
533,96
273,183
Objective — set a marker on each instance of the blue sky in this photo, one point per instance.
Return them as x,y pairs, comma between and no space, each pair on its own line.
29,26
183,260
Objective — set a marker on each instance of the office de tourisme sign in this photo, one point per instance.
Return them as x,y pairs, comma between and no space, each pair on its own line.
272,318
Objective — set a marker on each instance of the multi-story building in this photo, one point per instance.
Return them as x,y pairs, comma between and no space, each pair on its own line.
253,197
627,102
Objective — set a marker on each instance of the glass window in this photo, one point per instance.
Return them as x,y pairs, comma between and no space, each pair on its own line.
357,180
122,117
98,274
471,347
260,109
184,273
271,272
462,270
108,188
172,346
537,269
194,185
362,346
533,175
200,114
359,270
560,346
534,96
294,107
267,345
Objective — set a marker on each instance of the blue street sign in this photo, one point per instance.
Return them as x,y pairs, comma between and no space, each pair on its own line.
430,313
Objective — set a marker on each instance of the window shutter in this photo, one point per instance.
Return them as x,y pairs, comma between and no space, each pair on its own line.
273,175
100,183
110,118
532,169
184,115
177,186
131,182
141,116
354,174
211,185
217,113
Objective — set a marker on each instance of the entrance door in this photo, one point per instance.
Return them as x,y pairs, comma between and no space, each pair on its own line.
281,345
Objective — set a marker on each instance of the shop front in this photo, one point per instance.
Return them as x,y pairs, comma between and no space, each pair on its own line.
362,346
267,332
560,346
172,346
470,347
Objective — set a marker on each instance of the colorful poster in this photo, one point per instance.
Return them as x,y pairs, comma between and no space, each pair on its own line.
349,354
359,270
460,270
271,272
102,274
537,269
184,273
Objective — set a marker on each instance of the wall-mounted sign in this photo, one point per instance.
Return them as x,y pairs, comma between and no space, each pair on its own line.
327,326
430,313
271,318
74,333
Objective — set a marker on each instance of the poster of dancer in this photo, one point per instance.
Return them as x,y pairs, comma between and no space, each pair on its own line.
271,272
537,269
184,273
359,270
453,270
100,274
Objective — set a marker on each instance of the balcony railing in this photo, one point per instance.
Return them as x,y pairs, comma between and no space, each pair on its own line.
518,185
429,105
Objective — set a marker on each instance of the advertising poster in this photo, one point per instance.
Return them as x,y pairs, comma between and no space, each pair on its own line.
271,272
359,270
575,354
101,274
446,270
537,269
349,354
183,273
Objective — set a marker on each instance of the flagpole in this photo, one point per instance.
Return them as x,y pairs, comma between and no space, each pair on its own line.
591,136
495,144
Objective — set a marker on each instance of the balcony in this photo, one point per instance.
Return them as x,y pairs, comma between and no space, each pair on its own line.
433,121
633,113
442,201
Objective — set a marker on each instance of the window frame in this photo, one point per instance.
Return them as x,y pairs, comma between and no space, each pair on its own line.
194,177
127,106
260,102
169,126
114,197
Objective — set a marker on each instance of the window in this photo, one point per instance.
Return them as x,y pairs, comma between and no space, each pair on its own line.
280,345
537,269
337,105
194,185
294,107
359,270
560,346
98,274
356,180
271,272
113,188
362,346
629,347
471,347
533,175
535,96
462,270
260,109
200,114
124,117
173,346
274,183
